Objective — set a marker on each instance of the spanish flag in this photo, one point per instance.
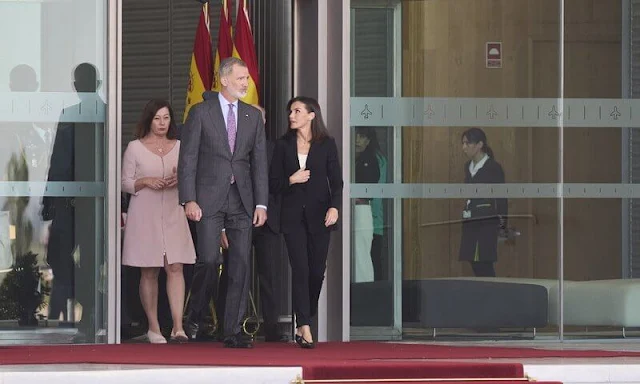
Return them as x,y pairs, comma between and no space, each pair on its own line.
245,50
225,43
200,72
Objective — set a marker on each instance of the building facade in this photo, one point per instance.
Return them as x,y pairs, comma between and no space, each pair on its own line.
550,83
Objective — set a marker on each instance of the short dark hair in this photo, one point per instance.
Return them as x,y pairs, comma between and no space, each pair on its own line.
86,77
318,130
148,113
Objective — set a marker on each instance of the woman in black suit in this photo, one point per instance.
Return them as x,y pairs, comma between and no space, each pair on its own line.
483,217
306,171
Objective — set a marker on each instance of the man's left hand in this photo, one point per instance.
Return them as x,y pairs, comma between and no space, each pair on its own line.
259,217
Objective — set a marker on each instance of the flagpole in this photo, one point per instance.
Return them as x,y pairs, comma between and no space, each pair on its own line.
200,70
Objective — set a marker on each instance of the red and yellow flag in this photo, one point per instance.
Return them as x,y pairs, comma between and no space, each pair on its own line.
246,50
201,69
225,43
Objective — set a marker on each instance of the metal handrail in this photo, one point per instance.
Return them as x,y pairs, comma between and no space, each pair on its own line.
457,221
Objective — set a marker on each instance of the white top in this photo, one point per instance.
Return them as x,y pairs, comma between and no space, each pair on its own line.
302,159
474,168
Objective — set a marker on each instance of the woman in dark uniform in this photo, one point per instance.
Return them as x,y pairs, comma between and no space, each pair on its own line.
367,171
483,217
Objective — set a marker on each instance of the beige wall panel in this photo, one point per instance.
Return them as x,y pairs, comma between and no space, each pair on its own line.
443,56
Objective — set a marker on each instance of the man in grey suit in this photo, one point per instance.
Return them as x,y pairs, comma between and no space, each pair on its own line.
223,183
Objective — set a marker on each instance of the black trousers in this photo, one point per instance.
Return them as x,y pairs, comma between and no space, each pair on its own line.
74,226
379,261
238,224
483,268
267,247
308,259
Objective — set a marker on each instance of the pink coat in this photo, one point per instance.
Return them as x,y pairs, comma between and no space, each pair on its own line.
156,223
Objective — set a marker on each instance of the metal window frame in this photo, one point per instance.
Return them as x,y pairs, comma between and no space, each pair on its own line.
395,331
114,152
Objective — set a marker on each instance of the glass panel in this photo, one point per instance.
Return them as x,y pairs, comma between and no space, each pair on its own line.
52,172
372,262
469,233
598,252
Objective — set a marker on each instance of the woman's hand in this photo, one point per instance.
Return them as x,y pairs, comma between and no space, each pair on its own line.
331,217
172,180
300,176
156,183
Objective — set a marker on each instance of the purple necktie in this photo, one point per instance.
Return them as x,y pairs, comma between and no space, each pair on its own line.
232,129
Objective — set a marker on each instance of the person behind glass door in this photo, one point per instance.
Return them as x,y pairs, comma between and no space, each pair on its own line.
366,171
34,138
24,157
379,258
32,142
482,217
76,151
305,169
157,234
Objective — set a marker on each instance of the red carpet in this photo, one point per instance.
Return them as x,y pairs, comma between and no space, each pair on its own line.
329,360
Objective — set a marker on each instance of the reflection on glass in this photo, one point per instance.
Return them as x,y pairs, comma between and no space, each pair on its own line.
364,311
71,245
581,142
372,231
367,170
25,157
52,135
378,255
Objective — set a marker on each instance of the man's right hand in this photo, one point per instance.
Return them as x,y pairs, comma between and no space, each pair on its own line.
224,240
193,211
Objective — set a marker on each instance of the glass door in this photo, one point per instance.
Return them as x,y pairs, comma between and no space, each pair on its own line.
53,114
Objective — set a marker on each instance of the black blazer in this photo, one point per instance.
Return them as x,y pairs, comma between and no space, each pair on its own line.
366,165
312,199
479,240
490,173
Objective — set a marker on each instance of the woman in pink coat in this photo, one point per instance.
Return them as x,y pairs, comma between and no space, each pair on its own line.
156,233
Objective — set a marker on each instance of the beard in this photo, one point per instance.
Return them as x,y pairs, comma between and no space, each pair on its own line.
239,94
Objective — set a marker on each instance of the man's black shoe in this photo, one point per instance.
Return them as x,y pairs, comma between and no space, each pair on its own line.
191,328
237,341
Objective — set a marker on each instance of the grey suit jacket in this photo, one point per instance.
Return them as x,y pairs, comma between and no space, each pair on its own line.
206,163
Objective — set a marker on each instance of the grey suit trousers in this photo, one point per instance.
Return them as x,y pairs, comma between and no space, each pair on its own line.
238,225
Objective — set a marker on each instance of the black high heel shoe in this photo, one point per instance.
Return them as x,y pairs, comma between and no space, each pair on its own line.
303,343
